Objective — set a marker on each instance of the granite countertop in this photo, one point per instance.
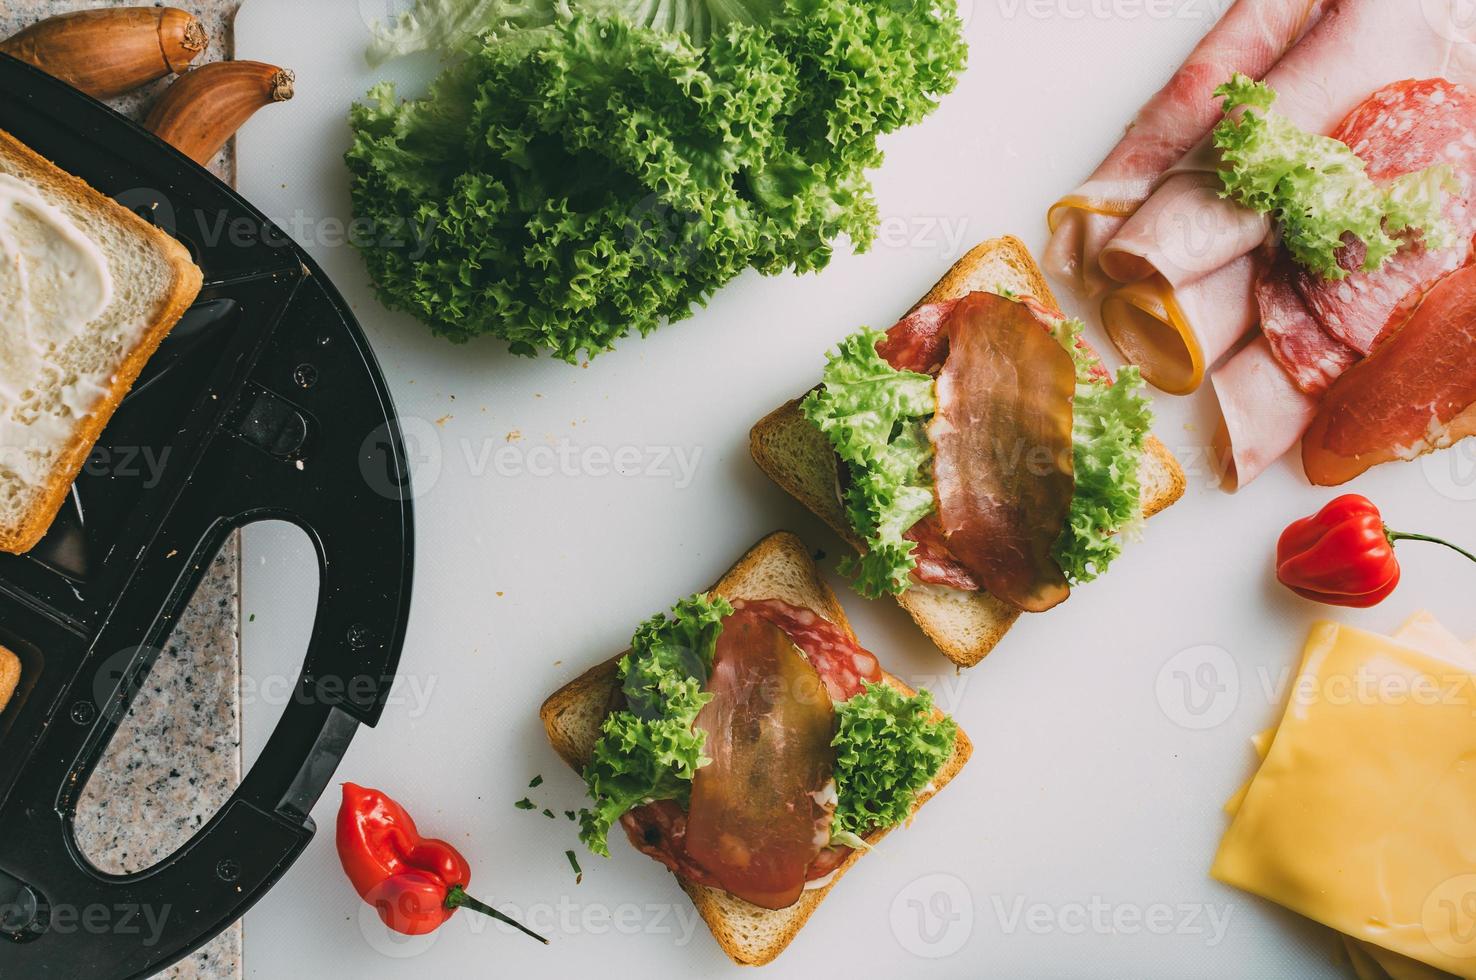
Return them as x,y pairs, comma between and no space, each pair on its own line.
177,756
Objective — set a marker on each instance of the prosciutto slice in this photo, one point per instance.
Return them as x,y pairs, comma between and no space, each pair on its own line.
1416,393
757,820
1250,38
659,829
1003,455
1356,44
919,342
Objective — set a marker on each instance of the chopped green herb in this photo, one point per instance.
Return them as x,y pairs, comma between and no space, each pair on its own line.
537,781
571,814
526,804
574,863
548,813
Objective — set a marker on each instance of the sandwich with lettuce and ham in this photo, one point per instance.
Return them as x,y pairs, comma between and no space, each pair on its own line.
978,454
751,745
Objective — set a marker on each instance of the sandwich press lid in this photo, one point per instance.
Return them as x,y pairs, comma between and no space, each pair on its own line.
265,403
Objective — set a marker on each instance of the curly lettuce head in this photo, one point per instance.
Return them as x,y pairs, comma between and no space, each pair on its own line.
575,177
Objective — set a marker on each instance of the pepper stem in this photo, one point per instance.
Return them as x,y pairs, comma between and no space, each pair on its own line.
1394,536
457,898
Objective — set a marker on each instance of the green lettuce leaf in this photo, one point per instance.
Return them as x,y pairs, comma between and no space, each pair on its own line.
874,417
1318,189
575,177
449,25
1109,426
649,750
888,748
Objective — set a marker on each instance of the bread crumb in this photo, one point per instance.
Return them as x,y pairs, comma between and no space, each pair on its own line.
515,436
444,419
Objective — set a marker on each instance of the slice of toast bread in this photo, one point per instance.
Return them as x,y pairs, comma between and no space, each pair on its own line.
798,457
10,676
55,419
778,567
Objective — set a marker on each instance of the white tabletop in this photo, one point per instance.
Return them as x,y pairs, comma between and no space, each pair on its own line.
1108,732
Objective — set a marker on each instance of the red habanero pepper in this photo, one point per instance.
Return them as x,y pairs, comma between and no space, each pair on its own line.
415,883
1344,554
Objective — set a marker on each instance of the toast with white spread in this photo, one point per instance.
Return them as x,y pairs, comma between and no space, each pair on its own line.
87,291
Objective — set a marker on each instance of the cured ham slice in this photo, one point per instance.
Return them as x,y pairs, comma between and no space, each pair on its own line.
919,342
1400,129
1416,393
1354,45
757,821
1249,38
935,563
1263,413
659,829
1002,449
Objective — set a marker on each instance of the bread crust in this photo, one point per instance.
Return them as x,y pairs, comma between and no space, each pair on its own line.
778,567
797,456
10,676
187,279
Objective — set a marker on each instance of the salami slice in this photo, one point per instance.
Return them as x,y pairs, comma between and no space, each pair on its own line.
1309,354
842,664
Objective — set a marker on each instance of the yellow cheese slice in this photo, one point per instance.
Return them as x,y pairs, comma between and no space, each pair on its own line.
1363,815
1421,631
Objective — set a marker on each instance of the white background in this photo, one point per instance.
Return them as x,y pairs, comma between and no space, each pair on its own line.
1092,804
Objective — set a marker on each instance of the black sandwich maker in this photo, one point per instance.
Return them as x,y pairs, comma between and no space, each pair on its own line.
265,403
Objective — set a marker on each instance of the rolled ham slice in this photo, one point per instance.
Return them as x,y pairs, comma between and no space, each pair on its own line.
758,817
1263,413
1355,45
1416,393
1175,335
1250,38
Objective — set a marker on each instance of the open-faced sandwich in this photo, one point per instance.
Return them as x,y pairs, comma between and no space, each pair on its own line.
751,745
978,455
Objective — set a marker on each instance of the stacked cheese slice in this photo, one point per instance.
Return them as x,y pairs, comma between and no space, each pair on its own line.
1363,813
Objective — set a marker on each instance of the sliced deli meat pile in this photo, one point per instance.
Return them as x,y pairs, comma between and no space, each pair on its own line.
1250,38
1218,249
1314,328
1003,449
1414,394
